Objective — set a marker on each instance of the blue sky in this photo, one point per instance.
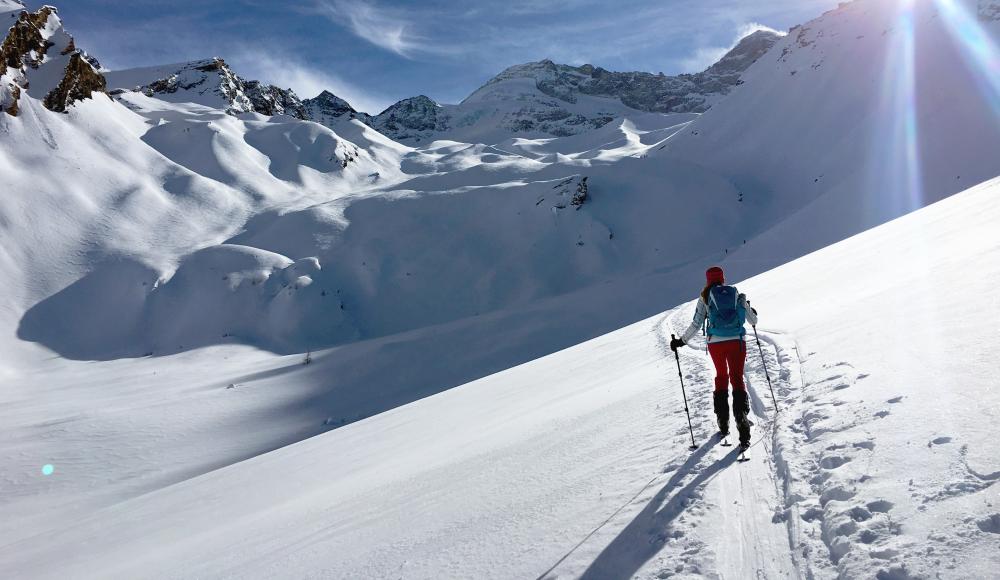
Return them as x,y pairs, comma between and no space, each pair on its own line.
375,52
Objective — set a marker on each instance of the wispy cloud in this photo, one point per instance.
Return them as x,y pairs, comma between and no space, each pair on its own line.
706,56
375,25
307,81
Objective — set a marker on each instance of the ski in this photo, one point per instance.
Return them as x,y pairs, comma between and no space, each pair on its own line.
743,458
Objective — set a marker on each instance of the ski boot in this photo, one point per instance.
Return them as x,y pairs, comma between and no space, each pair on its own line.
721,404
741,408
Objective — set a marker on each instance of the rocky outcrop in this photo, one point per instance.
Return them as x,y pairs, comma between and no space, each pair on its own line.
79,82
328,109
570,192
37,41
26,44
271,100
410,118
581,196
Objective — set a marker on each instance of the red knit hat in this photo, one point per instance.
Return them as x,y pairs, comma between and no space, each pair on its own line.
715,275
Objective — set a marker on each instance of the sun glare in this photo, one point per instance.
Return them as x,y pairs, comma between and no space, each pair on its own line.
979,50
896,142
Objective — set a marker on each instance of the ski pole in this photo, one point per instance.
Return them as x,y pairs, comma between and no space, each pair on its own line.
764,363
680,375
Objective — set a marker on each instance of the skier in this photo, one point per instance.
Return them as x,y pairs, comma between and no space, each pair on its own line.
725,311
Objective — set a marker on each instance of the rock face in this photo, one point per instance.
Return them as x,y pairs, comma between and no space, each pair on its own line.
79,82
271,100
542,99
329,109
411,118
42,60
686,93
212,83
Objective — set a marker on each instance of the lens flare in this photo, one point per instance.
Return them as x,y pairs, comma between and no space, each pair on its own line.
979,50
897,155
48,469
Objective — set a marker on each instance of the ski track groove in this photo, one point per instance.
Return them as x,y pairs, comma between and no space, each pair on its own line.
761,551
690,526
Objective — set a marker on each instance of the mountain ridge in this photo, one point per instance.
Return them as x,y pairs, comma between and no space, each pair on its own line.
551,111
549,107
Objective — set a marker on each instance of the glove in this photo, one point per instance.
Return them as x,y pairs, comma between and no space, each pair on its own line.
676,343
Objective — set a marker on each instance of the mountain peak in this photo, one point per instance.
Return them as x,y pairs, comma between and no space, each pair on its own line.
747,50
210,82
409,118
39,58
327,108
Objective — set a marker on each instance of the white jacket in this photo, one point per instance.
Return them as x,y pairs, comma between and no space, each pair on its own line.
701,313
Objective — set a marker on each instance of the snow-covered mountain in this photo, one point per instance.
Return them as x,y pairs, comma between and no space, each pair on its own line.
330,110
872,96
183,271
534,99
541,99
211,83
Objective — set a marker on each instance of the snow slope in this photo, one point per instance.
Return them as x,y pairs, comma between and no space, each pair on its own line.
577,464
888,98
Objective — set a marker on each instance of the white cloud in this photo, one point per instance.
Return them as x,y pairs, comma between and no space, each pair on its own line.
705,57
307,81
751,27
374,25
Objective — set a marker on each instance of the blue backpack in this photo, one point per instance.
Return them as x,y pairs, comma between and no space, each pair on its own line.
726,316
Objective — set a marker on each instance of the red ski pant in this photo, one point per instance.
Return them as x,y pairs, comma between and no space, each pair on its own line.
728,357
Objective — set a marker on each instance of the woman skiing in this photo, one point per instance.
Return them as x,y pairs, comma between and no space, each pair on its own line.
726,311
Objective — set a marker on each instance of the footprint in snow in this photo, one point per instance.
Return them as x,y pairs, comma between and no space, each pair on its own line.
880,506
895,400
887,554
882,414
938,441
846,529
833,461
838,493
990,524
860,514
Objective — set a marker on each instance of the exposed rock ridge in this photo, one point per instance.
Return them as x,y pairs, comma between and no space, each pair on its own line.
37,40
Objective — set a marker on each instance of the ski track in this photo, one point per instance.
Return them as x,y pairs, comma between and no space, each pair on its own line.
741,500
704,514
